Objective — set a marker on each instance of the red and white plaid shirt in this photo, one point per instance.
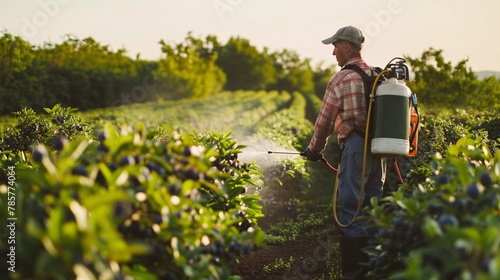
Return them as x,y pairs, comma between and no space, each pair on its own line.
343,108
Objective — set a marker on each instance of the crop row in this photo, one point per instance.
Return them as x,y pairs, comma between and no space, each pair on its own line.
287,127
220,113
285,177
446,226
125,206
118,204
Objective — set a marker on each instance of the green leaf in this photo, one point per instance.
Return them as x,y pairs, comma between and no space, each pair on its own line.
54,224
431,228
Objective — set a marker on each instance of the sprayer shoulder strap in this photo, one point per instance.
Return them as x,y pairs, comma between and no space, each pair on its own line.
368,80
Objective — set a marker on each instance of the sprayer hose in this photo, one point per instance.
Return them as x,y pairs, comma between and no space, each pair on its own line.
365,150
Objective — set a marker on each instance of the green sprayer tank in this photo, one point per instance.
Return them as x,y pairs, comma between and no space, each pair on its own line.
391,119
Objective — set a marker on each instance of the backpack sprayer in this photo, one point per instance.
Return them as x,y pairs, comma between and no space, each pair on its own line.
392,121
392,127
395,116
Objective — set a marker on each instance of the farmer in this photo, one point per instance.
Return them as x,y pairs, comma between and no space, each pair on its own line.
344,110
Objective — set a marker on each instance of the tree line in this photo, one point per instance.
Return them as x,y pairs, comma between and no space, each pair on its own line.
86,74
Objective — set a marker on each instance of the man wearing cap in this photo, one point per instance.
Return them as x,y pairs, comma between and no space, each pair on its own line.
344,110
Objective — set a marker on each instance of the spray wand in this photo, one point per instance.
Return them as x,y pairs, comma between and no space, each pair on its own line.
323,159
287,153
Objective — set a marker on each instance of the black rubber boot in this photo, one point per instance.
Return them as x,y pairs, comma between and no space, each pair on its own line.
352,257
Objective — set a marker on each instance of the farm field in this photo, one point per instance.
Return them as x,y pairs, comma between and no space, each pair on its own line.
282,205
178,183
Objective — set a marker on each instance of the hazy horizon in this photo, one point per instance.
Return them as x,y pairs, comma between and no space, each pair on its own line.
392,27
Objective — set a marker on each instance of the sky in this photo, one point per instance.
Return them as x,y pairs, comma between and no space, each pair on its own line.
463,29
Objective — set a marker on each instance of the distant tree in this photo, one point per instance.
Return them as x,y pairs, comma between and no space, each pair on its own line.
245,67
189,69
487,94
76,73
292,72
16,56
321,78
86,74
438,82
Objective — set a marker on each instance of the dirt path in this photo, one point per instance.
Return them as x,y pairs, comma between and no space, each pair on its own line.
315,257
309,253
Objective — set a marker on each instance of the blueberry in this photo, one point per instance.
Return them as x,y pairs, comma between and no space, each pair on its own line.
174,189
60,142
191,174
102,148
39,153
79,170
447,220
220,166
112,166
126,160
474,190
187,151
486,179
443,179
157,219
154,167
235,247
434,208
102,136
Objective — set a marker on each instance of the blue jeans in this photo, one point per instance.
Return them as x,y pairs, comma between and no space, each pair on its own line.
351,164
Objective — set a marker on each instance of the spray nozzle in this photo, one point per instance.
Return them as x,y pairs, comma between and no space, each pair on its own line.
286,153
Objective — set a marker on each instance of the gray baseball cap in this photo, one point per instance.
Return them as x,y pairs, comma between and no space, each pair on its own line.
347,33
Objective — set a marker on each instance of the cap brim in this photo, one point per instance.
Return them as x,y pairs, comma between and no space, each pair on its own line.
329,41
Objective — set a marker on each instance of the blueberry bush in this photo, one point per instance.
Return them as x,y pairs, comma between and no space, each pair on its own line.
61,125
128,206
444,227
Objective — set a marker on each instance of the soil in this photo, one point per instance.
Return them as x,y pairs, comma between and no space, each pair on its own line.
315,256
309,253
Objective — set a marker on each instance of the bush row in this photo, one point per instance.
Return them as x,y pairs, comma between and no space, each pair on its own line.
444,227
123,205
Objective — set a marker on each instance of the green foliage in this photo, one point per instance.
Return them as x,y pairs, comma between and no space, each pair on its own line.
16,56
438,82
77,73
321,78
485,94
245,67
126,206
279,264
439,129
293,73
447,227
85,74
308,224
32,129
286,180
288,128
237,111
186,72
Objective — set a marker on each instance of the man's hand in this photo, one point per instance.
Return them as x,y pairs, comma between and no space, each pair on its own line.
310,155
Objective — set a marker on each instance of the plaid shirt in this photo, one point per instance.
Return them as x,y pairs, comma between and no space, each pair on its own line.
343,108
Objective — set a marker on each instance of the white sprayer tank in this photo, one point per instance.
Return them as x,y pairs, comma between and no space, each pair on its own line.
391,119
